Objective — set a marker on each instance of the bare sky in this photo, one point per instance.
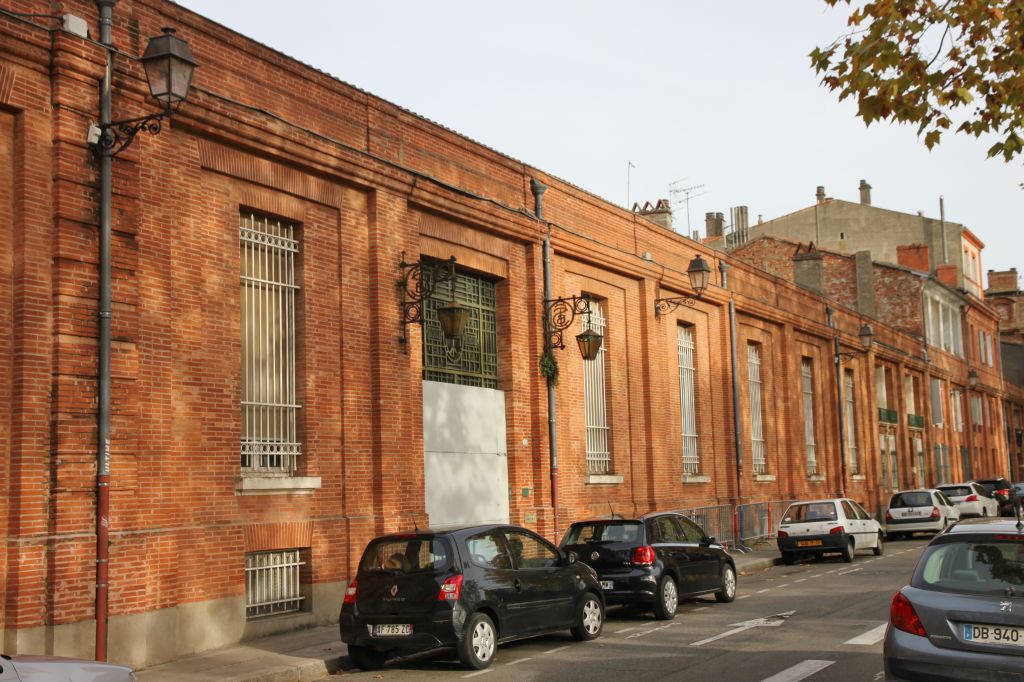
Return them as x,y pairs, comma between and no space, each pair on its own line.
714,95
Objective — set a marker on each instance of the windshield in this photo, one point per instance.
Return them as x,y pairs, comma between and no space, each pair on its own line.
413,554
611,531
810,511
917,499
987,566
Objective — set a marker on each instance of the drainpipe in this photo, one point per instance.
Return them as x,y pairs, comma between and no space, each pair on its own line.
538,189
106,8
724,269
942,228
839,411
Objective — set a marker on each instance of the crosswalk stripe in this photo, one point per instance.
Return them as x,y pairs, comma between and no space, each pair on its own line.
872,636
798,672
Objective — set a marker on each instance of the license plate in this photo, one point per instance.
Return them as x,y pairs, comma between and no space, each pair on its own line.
808,543
607,584
392,630
994,634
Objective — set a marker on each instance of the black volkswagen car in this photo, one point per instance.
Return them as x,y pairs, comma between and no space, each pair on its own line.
654,560
469,588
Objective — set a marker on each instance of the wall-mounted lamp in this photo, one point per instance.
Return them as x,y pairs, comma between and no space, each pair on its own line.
867,338
418,282
699,273
972,379
559,314
169,64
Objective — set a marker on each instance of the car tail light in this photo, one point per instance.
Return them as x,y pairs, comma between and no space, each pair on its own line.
451,589
350,592
1004,492
783,534
837,530
971,498
903,616
935,512
888,515
643,556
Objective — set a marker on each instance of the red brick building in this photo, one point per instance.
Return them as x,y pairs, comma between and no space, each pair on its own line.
272,409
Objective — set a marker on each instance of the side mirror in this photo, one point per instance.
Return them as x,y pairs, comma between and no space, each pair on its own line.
571,557
710,540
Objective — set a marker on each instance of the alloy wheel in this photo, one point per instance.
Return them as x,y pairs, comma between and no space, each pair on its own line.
483,641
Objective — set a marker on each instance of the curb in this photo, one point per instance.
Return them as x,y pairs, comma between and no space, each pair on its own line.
756,565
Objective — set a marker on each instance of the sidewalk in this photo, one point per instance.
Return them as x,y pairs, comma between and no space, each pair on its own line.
313,654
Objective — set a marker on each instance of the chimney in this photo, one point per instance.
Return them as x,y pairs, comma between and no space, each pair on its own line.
1002,281
865,273
807,269
865,193
913,256
660,213
820,194
712,227
946,274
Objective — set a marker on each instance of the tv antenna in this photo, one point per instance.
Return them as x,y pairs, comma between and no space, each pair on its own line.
688,192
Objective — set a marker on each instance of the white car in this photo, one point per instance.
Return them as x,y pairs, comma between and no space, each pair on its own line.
911,511
55,669
972,499
818,527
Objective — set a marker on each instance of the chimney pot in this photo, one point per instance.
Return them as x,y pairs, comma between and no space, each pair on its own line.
820,194
865,193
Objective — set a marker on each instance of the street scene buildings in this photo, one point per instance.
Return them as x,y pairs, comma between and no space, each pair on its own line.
283,252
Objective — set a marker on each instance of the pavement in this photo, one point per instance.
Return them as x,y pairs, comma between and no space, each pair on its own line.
315,653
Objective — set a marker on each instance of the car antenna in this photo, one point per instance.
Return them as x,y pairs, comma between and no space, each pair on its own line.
612,510
1016,508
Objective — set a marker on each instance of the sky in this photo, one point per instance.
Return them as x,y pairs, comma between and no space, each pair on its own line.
710,100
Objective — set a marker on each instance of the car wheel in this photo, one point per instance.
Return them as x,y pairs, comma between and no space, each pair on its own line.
366,658
728,591
879,548
984,512
788,558
848,551
477,646
668,599
590,619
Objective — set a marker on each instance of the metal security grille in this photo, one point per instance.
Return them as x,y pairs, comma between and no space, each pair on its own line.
956,401
474,360
807,375
272,583
851,424
269,408
687,403
599,459
754,386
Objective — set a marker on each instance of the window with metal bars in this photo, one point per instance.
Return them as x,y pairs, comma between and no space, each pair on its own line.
687,401
272,583
851,424
599,459
473,360
268,249
807,375
757,444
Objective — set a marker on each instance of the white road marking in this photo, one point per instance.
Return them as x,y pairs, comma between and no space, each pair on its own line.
561,648
801,580
770,621
528,658
817,575
784,585
479,672
852,570
872,636
764,590
798,672
617,632
743,596
700,608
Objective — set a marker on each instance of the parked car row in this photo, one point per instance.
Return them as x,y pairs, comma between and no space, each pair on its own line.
474,588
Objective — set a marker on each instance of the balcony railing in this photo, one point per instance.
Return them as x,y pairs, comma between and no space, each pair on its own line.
887,416
915,421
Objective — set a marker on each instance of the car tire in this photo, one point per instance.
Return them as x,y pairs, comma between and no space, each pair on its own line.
879,547
848,551
589,620
479,643
667,600
788,558
984,512
366,658
728,591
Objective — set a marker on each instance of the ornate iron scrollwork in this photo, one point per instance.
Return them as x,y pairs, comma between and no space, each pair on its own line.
559,314
667,305
418,281
115,136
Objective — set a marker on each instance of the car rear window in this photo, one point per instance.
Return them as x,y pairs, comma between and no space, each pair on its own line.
413,554
603,532
917,499
957,490
810,511
981,566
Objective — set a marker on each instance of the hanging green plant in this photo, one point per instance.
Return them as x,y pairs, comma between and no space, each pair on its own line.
548,366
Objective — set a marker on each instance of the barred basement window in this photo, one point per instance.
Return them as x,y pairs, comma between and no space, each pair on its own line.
754,388
269,407
599,459
272,583
474,361
687,402
807,376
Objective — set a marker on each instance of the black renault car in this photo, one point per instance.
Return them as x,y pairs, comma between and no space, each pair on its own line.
653,560
469,588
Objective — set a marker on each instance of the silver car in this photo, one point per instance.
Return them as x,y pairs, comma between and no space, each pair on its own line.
962,615
972,499
54,668
911,511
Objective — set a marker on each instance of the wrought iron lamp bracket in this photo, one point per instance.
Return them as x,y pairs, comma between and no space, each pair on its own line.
418,281
559,314
667,305
116,136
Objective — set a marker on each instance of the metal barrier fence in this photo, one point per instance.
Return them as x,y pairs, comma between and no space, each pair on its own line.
740,525
717,521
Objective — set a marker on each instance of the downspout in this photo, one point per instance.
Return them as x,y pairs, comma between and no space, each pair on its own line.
839,411
723,267
942,228
106,8
538,189
964,331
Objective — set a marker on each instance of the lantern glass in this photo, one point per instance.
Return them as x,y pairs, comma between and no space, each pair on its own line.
867,335
699,272
589,343
169,66
453,318
972,378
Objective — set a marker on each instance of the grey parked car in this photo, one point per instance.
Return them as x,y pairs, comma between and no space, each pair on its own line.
56,669
962,615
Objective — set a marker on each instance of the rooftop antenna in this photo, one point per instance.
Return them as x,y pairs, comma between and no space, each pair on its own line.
689,192
629,168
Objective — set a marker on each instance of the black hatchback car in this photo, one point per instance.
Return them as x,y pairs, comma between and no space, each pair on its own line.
653,560
1001,490
469,588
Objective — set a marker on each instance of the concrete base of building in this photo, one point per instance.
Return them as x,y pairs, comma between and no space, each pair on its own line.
146,639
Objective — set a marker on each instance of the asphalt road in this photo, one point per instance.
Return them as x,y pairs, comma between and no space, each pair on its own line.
812,621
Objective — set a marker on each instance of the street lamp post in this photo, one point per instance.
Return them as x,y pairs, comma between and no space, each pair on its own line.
867,336
169,64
